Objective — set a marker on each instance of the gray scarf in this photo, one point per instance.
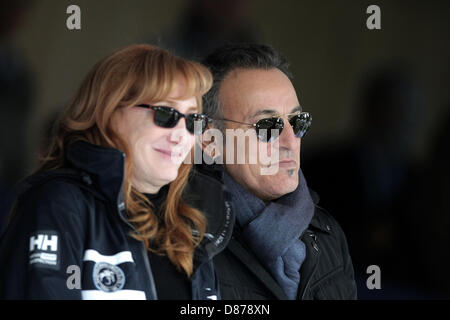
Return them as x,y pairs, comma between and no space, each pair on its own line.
273,231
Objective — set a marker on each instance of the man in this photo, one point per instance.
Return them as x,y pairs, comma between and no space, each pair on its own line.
284,245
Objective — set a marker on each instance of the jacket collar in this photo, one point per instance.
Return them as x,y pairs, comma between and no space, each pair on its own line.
219,220
318,221
104,166
205,191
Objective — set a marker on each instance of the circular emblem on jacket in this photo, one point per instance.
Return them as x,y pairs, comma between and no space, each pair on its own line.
108,277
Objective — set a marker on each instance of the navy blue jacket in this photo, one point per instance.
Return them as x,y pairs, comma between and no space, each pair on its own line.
69,234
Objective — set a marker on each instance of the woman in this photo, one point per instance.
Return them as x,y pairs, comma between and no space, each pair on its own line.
104,217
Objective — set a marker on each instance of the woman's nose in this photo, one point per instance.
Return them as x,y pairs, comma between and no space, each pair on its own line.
179,132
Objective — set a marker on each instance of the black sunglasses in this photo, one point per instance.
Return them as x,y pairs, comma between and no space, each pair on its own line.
168,117
300,124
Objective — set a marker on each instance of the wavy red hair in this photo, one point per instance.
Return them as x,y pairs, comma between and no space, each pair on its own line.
128,77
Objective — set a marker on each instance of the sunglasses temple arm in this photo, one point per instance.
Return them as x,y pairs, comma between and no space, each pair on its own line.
249,124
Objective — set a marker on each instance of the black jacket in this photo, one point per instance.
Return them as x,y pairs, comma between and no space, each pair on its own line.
326,273
74,218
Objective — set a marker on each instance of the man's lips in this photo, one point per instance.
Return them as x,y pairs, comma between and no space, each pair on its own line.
287,163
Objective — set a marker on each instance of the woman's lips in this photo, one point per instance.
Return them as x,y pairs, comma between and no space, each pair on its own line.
167,154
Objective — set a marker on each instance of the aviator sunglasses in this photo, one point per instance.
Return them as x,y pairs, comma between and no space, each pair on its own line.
300,123
168,117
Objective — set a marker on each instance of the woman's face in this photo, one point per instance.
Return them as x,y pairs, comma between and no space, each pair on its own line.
157,152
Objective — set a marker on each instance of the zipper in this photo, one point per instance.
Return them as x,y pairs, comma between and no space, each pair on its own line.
144,253
309,280
315,266
153,295
120,206
119,201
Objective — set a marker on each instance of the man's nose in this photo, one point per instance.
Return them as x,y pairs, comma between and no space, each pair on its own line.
287,138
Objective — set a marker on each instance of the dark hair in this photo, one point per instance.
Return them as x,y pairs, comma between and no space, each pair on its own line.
232,56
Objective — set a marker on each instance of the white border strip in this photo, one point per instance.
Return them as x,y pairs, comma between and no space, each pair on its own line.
121,257
117,295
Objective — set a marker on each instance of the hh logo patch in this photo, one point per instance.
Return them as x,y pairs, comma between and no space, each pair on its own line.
44,250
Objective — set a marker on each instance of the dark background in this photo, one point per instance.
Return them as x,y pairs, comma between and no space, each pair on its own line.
377,152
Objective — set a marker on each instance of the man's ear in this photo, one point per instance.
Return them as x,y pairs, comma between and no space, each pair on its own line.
212,143
209,145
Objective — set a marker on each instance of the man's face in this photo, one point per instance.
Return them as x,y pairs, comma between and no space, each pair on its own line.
248,95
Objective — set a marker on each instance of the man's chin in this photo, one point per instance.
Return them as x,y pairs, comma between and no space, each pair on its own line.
279,188
287,175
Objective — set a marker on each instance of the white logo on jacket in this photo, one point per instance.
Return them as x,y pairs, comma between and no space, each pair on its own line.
43,250
44,242
109,278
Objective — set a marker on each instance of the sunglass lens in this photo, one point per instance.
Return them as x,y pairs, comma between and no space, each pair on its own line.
196,123
264,128
166,117
300,124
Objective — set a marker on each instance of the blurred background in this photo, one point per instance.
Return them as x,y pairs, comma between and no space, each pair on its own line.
378,150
